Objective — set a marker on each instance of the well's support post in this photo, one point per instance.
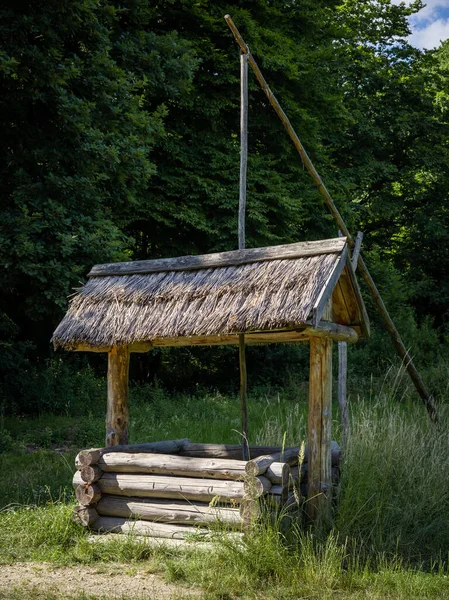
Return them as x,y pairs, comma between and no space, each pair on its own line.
117,416
319,426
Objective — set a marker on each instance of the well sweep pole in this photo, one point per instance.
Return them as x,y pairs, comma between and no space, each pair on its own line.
241,227
390,326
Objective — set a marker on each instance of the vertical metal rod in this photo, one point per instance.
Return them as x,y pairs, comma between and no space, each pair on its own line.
241,231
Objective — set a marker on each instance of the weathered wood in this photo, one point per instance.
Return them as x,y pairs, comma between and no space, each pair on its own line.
333,331
241,236
85,458
401,350
161,486
250,510
326,292
299,334
147,528
166,511
234,451
243,393
117,416
134,347
319,427
84,515
91,474
356,250
342,391
220,259
278,473
343,360
86,494
228,451
259,465
256,486
166,464
243,146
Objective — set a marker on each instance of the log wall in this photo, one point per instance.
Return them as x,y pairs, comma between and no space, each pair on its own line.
169,488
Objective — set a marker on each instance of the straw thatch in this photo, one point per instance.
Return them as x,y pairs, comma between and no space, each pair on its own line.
126,309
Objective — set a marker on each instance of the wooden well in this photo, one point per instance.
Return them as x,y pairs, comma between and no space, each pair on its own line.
307,292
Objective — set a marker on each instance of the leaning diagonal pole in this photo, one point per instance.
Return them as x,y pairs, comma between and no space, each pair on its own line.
390,326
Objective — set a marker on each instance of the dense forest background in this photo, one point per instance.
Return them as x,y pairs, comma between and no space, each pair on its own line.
119,129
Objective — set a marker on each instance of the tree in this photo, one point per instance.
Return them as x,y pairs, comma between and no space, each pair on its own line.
75,154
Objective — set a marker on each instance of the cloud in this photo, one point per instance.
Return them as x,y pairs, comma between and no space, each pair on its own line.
431,35
430,25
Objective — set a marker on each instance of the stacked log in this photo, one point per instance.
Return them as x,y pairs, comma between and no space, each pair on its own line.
162,489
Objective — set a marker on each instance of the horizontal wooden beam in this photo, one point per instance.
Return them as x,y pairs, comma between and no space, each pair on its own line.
334,331
135,347
221,259
342,333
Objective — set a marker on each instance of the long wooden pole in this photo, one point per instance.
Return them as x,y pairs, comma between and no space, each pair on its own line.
390,326
241,226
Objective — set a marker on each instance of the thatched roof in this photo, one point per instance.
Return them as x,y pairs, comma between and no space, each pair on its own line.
262,289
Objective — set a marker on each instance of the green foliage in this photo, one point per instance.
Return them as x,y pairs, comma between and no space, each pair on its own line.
120,127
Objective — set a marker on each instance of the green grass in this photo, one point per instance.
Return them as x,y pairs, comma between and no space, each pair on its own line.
390,537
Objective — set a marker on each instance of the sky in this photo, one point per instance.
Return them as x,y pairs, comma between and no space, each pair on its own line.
430,25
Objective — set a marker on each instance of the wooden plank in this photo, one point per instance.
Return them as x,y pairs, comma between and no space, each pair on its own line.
364,323
117,415
167,464
151,529
326,293
319,428
339,306
221,259
174,511
356,250
333,331
86,458
300,333
161,486
226,451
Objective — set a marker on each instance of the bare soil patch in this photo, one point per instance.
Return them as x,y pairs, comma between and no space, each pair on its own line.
99,582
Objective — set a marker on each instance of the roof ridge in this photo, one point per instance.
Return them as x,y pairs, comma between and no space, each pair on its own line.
221,259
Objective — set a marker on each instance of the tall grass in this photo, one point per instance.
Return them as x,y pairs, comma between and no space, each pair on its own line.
391,530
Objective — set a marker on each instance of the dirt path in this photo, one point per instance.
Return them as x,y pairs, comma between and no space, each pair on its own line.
42,580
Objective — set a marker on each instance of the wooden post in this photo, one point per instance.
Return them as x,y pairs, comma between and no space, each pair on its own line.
243,146
319,426
241,226
117,418
342,391
429,401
